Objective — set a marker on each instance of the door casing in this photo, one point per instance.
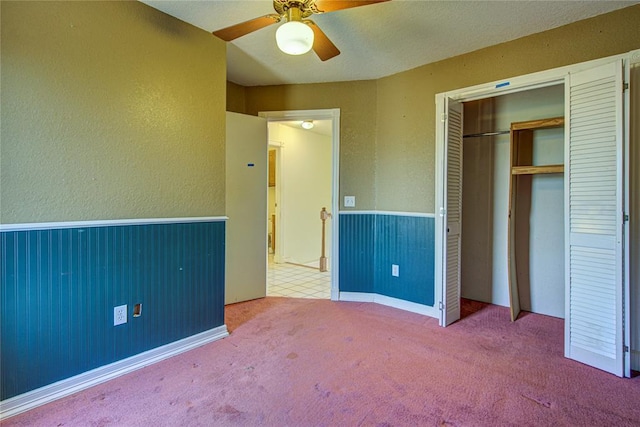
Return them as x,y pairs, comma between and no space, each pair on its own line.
334,116
517,84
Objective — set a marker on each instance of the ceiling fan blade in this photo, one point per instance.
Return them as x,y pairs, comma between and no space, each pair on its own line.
333,5
322,46
244,28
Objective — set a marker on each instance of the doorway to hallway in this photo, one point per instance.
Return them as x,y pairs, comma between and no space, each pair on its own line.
302,181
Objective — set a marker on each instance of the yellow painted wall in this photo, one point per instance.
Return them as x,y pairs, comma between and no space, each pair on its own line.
357,103
387,151
405,146
109,110
236,98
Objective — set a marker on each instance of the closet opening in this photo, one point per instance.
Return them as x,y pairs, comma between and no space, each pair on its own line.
514,261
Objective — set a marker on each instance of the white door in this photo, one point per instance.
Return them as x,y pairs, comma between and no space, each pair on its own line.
450,206
246,203
594,218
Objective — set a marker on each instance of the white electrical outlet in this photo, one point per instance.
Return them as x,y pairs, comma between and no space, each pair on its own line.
349,201
119,315
395,270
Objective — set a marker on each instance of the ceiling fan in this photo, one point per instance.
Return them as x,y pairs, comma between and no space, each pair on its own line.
298,34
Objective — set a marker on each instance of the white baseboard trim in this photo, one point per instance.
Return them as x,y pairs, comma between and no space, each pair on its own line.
357,297
390,302
66,387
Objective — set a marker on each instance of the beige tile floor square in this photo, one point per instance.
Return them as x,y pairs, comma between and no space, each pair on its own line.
290,280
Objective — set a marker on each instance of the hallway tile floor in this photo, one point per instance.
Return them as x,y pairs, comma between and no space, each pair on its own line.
290,280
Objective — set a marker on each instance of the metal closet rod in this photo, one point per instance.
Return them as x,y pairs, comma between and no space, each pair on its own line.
476,135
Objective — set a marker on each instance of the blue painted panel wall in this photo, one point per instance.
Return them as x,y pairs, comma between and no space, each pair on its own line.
58,289
357,252
371,243
409,243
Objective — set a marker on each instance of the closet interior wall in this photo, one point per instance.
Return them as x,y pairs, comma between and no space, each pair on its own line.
476,275
485,203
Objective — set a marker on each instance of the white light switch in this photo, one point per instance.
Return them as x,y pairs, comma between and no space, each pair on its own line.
349,201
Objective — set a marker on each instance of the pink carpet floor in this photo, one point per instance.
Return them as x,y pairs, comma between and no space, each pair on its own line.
295,362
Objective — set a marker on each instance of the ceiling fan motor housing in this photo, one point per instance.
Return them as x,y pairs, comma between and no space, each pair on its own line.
295,10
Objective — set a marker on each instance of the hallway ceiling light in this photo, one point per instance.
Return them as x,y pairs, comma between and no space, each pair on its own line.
307,124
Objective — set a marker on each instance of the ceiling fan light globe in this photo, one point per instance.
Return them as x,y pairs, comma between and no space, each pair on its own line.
294,38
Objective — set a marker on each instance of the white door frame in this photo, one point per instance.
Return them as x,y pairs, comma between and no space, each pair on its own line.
333,115
488,90
502,87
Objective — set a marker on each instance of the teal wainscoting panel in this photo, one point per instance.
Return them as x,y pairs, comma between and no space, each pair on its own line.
371,243
406,241
58,288
357,246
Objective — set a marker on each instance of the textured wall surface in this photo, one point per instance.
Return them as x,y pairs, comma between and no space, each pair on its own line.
58,289
405,138
109,110
236,98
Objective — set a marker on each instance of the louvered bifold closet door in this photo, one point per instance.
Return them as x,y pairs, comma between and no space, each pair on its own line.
453,209
594,317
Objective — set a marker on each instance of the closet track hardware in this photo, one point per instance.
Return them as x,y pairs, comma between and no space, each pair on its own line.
479,135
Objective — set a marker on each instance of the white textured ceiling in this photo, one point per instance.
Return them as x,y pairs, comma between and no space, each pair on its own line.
377,40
